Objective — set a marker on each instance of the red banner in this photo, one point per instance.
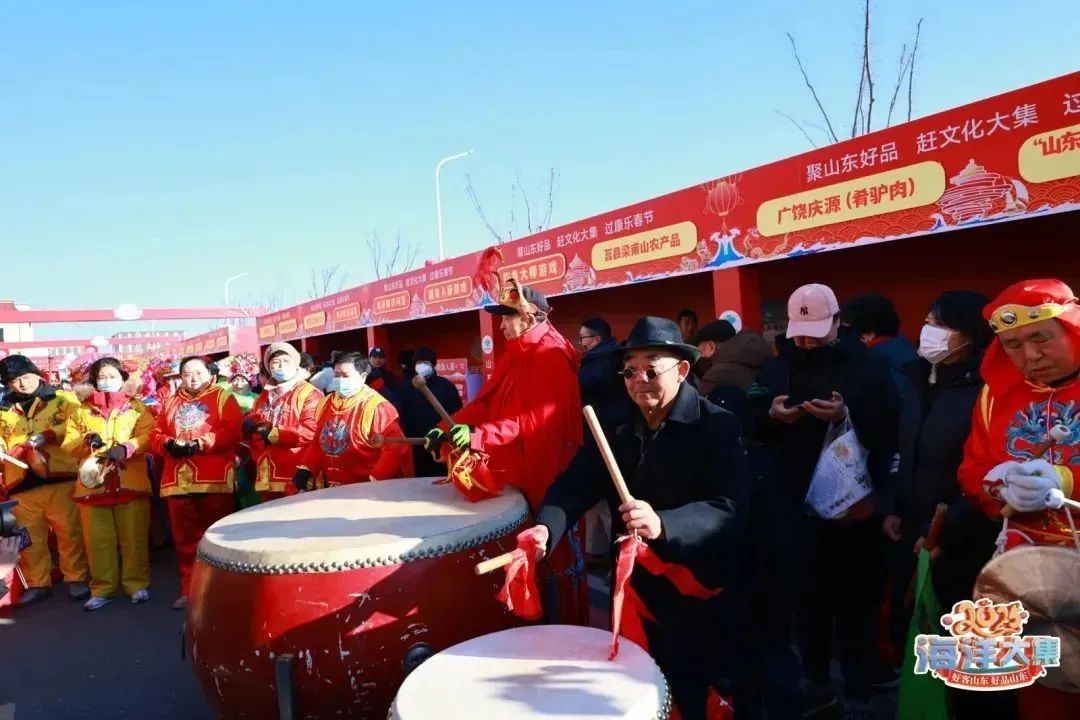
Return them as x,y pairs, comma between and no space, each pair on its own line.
229,340
1008,157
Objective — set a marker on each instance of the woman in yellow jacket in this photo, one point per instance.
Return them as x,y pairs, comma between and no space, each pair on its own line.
33,418
114,503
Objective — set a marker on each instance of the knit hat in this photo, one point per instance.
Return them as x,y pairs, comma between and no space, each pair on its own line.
424,354
280,347
15,366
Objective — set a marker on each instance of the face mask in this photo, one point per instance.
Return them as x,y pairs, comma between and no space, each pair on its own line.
934,344
283,374
424,369
109,386
348,386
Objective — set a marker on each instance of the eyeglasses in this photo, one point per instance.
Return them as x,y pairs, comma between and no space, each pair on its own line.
649,373
583,338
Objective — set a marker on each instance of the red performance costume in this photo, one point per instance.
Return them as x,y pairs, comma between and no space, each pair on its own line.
293,415
526,427
197,435
1022,431
343,453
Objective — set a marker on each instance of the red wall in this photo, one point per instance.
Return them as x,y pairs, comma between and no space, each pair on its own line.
450,336
321,346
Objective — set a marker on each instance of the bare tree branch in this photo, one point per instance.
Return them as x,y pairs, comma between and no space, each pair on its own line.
810,86
797,124
904,61
551,200
386,260
410,259
525,199
911,67
328,280
375,251
859,100
471,192
866,64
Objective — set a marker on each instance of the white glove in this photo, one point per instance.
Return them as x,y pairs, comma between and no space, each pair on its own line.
1026,487
998,472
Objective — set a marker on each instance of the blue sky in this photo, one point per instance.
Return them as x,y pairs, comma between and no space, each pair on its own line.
149,150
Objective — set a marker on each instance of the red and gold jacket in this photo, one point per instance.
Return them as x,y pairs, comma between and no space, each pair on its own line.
212,418
527,420
1009,424
1014,417
293,417
342,452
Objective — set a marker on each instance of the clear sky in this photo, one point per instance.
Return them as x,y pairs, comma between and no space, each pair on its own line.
149,150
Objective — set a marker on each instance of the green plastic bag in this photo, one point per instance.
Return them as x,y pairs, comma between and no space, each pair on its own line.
922,697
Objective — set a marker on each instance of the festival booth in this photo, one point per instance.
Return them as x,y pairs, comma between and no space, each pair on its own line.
918,208
217,344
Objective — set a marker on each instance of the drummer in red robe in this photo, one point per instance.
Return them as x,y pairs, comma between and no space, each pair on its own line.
197,432
526,425
1025,437
281,425
349,418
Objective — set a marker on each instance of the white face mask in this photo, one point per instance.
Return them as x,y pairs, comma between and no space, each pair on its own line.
424,369
110,385
934,344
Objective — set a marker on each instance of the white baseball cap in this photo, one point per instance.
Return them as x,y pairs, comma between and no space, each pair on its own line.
811,311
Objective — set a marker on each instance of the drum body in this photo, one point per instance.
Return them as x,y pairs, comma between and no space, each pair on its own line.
546,671
1046,579
346,583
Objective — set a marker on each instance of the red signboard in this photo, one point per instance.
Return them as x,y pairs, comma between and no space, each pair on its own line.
225,340
455,370
1004,158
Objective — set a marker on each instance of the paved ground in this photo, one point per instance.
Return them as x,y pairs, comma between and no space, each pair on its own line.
58,661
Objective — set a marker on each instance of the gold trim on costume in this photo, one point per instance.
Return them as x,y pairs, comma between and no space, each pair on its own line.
1012,316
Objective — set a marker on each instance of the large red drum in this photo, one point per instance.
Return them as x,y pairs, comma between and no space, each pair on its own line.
352,585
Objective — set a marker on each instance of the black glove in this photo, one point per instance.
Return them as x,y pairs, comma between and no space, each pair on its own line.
302,479
434,440
192,448
94,441
177,451
117,453
247,428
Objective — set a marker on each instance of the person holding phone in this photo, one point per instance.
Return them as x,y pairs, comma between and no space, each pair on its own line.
818,380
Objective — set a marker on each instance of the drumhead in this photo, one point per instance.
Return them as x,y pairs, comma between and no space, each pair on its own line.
363,525
1046,579
543,671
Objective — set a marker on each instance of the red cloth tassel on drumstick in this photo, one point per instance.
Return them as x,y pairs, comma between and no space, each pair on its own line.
519,591
634,549
470,474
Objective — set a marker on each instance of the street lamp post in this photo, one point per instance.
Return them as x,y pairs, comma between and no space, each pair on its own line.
234,277
438,194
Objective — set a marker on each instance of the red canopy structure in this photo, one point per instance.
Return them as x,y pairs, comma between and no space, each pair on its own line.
112,342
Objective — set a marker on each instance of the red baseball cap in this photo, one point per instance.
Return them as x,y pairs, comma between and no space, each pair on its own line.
812,310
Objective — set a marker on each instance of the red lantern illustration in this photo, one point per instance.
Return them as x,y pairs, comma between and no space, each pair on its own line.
722,196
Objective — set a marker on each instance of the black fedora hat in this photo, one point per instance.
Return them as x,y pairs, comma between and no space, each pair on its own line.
655,332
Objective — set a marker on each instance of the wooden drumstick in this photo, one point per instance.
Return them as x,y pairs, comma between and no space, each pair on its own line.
377,440
1058,433
609,457
485,566
4,457
420,384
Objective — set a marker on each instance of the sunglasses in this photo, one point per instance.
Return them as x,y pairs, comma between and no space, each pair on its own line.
649,373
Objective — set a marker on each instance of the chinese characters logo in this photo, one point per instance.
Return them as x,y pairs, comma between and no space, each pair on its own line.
985,650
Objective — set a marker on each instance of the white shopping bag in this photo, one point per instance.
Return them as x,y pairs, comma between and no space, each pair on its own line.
840,477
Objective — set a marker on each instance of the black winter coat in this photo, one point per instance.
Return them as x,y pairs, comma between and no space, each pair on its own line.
601,385
418,417
867,387
693,473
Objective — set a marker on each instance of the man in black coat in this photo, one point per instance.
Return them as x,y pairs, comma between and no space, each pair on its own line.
684,466
819,380
598,376
418,417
